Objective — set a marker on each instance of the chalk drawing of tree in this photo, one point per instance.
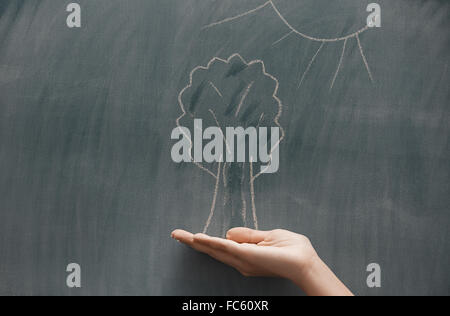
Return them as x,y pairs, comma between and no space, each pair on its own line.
232,93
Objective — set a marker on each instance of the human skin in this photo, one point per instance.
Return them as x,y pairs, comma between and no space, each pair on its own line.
276,253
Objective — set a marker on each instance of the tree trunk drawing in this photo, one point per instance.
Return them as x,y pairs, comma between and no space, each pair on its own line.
234,202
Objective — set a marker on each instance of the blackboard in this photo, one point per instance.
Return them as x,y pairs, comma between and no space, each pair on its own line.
86,116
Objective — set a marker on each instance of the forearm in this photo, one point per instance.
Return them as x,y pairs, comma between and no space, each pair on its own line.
316,279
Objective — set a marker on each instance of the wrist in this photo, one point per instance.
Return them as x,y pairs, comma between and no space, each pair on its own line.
316,279
299,266
305,268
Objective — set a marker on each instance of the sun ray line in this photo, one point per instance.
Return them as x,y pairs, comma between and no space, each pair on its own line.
364,58
310,64
339,65
238,16
283,38
337,39
288,25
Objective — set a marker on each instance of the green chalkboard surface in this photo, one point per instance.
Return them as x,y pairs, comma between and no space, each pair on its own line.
87,114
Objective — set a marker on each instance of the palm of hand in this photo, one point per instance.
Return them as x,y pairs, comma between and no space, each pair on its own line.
280,253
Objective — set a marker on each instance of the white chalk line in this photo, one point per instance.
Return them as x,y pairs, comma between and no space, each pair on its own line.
221,131
224,177
260,119
216,89
225,183
339,65
244,96
213,205
199,165
337,39
297,32
237,16
227,61
364,58
252,194
278,116
244,201
283,19
283,38
310,64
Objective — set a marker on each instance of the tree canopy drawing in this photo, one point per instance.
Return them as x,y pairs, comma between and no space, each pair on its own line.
274,5
232,93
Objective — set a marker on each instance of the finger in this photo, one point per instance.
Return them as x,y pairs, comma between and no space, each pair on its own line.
226,258
189,239
219,249
246,235
215,243
202,244
183,236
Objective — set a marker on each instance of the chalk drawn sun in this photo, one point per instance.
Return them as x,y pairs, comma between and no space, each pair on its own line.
322,18
318,16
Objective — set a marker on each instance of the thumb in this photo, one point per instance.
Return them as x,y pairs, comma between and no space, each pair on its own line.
246,235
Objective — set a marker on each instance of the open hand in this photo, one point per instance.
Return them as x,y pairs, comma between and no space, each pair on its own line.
276,253
253,252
